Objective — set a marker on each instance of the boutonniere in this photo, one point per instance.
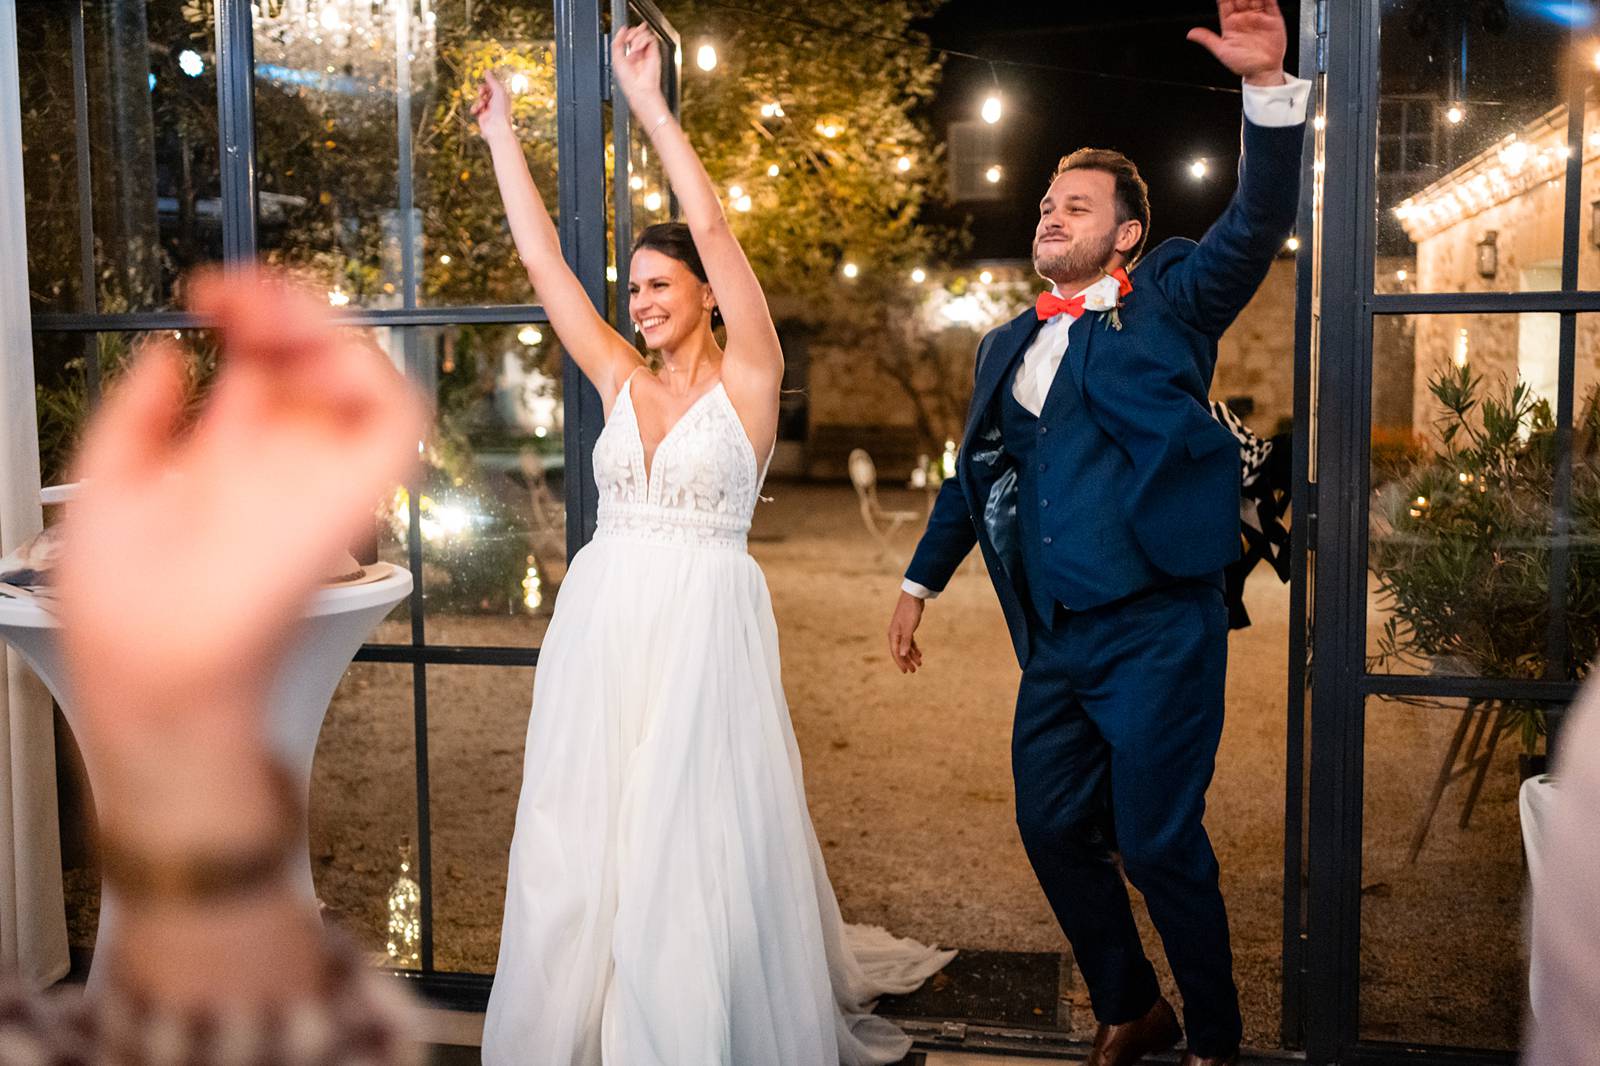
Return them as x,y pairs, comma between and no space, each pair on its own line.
1106,297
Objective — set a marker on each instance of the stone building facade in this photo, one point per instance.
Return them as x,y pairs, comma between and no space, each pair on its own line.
1495,224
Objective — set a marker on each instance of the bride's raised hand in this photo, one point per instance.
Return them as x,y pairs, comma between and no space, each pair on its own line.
636,62
492,108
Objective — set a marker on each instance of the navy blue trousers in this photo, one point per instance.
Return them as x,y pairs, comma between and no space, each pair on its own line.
1117,725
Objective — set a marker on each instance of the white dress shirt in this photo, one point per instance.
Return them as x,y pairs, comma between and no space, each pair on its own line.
1270,105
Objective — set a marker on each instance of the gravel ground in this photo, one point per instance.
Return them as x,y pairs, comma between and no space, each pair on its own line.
910,791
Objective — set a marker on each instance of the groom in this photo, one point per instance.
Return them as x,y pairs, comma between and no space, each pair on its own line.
1105,501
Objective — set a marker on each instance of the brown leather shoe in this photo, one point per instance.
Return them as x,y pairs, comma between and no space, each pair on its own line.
1191,1059
1128,1042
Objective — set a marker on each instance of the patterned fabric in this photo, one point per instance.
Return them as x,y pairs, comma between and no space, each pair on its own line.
1263,508
357,1018
701,487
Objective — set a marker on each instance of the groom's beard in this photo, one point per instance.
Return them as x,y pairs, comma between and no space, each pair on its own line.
1078,259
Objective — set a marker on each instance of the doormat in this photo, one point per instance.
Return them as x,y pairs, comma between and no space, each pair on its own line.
1003,988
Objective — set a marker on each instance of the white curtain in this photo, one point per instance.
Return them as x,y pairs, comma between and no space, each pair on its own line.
33,924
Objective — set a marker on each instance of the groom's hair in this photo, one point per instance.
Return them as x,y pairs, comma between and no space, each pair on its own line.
1133,196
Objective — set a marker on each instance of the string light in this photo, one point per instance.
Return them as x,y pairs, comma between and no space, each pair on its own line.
986,277
743,203
405,915
735,191
918,276
772,110
992,175
652,201
828,128
1455,114
903,164
1497,175
706,57
530,335
772,171
992,108
636,183
1401,274
445,259
851,270
1199,169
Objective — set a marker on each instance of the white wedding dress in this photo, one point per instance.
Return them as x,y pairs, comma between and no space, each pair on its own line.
667,904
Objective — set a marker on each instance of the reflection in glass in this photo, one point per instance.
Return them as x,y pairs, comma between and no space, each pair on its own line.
145,205
477,721
70,367
1472,146
467,255
326,147
344,90
364,800
1443,958
492,503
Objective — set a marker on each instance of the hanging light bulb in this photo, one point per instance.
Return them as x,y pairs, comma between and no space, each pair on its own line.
706,57
992,108
1199,169
1455,114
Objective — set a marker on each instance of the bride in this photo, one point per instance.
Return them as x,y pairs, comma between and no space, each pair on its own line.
667,903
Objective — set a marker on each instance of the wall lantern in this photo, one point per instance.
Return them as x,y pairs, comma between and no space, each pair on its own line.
1489,255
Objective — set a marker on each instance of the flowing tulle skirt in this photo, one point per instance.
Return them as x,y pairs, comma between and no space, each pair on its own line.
667,903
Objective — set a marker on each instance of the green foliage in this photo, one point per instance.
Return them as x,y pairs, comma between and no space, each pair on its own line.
1461,548
834,197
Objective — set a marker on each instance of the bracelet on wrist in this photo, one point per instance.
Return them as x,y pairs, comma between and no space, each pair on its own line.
211,875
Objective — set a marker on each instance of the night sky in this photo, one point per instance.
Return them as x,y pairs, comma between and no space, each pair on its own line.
1049,113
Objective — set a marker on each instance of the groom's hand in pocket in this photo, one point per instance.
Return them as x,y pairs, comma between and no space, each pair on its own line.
903,633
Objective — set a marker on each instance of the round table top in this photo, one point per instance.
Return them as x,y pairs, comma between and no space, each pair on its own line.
331,599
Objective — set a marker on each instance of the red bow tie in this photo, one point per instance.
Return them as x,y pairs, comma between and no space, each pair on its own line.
1050,305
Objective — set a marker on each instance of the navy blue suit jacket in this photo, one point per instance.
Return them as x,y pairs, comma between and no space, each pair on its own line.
1146,388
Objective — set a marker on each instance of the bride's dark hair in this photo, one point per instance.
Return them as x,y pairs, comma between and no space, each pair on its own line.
673,239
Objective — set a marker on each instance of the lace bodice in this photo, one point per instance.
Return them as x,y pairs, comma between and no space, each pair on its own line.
703,482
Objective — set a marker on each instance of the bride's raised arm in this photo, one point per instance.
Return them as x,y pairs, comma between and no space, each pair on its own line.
752,368
604,356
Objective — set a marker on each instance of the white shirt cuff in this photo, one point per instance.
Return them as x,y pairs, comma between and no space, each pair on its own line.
921,592
1277,105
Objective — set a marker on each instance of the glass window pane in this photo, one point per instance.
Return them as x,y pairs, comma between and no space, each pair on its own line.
467,254
68,366
364,808
477,722
1443,955
327,148
152,195
493,504
1473,187
1462,477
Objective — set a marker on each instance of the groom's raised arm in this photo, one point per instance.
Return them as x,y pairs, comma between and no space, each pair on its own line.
1211,285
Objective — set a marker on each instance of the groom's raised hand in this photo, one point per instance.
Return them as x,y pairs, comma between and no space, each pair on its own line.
1252,42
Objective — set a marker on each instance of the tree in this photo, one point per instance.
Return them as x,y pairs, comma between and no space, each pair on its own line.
846,114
